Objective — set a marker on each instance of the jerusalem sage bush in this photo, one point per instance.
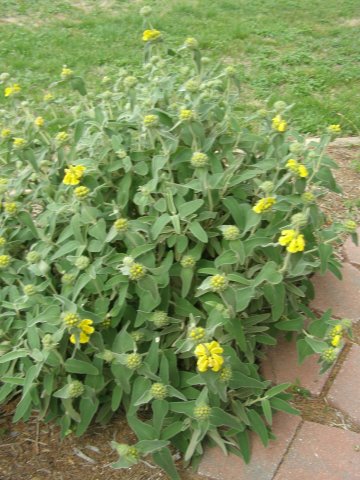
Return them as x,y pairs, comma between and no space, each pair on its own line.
152,242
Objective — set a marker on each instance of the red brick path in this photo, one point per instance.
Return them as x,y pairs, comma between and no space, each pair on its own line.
306,450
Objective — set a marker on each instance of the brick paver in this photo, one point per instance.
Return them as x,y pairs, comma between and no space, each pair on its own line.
352,251
320,452
344,393
342,296
265,461
281,365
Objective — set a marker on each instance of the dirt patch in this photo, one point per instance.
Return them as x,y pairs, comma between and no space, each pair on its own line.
351,22
21,21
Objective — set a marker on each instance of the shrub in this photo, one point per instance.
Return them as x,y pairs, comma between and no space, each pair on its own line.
152,242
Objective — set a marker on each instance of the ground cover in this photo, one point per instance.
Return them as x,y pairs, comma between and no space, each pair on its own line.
305,54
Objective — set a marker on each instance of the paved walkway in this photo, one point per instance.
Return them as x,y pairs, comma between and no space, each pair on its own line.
309,450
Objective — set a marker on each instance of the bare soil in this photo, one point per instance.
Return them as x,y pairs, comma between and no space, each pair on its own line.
34,451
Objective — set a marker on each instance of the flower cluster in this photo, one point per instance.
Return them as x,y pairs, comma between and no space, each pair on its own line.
81,329
264,204
292,240
73,174
151,35
297,168
12,90
279,124
209,356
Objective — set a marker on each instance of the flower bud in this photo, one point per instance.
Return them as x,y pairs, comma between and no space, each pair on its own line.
2,241
230,71
81,192
137,271
299,220
106,323
350,226
71,319
159,319
192,86
130,81
267,187
197,334
4,261
68,278
121,154
231,232
75,389
225,374
137,336
296,148
202,412
159,391
329,355
188,261
133,361
199,160
29,290
279,106
33,257
219,283
48,342
191,43
146,11
11,208
82,262
151,121
121,225
307,197
108,356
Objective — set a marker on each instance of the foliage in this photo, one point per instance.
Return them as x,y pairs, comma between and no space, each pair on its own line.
151,245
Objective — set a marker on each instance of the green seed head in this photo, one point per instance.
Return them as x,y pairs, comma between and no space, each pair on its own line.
307,197
159,391
279,106
138,336
146,11
121,225
2,241
48,342
230,71
81,192
192,86
68,278
106,323
75,389
199,160
299,220
33,257
108,356
296,148
267,187
159,319
231,232
197,334
133,453
130,81
151,121
82,262
11,208
202,412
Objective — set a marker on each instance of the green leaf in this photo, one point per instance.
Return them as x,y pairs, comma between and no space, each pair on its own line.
72,365
164,459
279,404
197,230
257,425
150,446
98,230
25,219
65,249
317,345
186,276
78,84
143,430
160,409
221,418
188,208
159,225
277,389
14,355
266,408
244,445
88,408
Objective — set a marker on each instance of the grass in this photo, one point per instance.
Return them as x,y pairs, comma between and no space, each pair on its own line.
305,52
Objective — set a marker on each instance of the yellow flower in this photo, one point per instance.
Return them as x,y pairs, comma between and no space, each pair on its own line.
73,174
5,133
151,35
263,204
302,171
334,128
86,326
19,142
292,165
12,90
61,137
48,97
83,338
286,237
66,72
297,244
335,342
186,115
279,124
294,241
151,120
209,356
39,122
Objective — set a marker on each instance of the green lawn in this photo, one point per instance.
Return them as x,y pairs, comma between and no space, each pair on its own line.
305,52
